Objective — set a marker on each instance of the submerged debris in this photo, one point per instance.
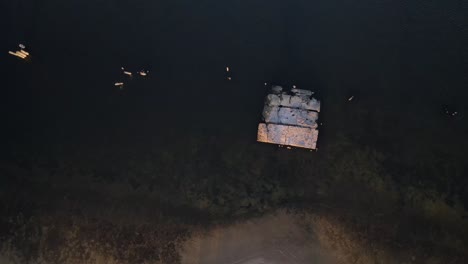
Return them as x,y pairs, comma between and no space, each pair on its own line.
119,84
24,52
143,73
228,73
451,111
126,72
20,53
17,54
351,98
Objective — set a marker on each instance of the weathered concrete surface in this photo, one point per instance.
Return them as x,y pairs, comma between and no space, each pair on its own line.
290,116
273,239
301,137
293,101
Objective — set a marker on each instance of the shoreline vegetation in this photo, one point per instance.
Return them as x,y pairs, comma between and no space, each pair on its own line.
76,208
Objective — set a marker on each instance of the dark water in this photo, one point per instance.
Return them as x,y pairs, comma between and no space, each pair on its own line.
402,61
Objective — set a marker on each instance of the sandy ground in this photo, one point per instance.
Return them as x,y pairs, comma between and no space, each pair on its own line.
273,239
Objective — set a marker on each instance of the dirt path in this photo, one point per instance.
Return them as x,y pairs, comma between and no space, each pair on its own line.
272,239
